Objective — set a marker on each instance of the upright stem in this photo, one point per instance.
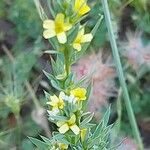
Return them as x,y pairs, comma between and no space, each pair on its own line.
67,61
121,76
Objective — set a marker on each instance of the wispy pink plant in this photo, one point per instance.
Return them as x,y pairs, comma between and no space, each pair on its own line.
128,144
102,74
135,51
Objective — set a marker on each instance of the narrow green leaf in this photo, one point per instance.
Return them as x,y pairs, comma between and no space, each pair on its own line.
46,140
40,9
51,52
73,33
40,144
87,120
106,117
56,85
51,9
49,76
60,118
102,123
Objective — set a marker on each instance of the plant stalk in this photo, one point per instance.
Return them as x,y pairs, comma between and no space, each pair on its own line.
67,61
121,76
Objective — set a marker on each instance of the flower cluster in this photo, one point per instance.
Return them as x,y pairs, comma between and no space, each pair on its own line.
59,107
62,24
66,108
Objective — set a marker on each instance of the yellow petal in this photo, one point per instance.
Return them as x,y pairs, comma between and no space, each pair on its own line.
77,4
62,37
81,7
60,123
84,10
87,38
77,46
75,129
72,119
59,19
52,103
47,24
49,34
64,128
54,98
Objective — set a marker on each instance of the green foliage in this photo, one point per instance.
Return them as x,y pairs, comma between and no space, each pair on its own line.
94,140
66,109
25,18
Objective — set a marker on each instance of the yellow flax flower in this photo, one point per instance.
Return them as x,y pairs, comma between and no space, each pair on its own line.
70,124
63,146
79,94
56,102
57,27
81,38
81,7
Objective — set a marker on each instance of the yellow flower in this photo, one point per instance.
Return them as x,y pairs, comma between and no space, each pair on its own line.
83,133
57,28
70,124
81,38
56,102
81,7
59,146
63,146
79,94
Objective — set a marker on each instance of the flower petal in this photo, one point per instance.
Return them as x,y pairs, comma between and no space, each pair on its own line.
60,123
81,7
59,19
84,10
62,95
48,24
72,119
49,34
77,46
87,38
64,128
52,103
75,129
62,37
54,99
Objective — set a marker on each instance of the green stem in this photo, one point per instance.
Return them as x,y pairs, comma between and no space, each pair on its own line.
121,76
67,62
